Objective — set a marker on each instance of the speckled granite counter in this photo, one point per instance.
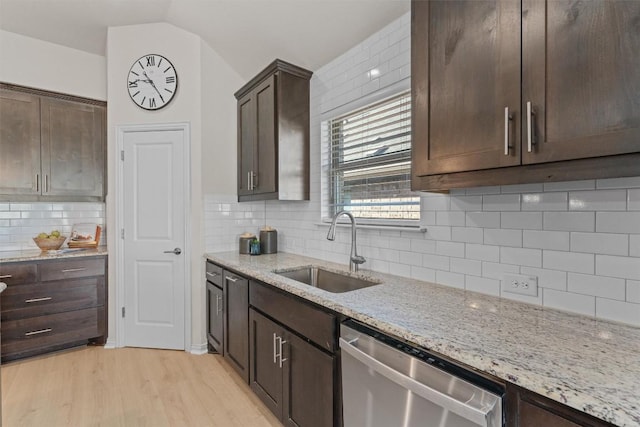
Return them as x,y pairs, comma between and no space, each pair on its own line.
590,365
37,255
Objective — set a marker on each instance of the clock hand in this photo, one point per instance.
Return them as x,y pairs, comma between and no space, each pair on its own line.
153,85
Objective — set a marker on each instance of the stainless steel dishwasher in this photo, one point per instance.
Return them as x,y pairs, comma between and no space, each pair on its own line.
386,382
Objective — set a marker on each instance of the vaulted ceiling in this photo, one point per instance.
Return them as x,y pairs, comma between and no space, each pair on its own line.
248,34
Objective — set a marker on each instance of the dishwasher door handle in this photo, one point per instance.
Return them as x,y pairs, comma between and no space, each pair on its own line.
481,417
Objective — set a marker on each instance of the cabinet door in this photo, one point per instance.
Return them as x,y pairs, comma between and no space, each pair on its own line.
19,143
308,384
265,376
246,142
215,317
265,163
465,72
581,73
236,323
73,148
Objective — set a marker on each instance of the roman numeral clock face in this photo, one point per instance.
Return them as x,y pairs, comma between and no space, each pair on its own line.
152,82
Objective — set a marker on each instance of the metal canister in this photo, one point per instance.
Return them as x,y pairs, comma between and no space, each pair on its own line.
245,243
268,240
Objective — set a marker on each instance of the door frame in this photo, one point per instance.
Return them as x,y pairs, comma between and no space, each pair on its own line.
121,131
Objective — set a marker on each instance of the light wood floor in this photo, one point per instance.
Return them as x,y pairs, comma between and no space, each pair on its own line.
128,387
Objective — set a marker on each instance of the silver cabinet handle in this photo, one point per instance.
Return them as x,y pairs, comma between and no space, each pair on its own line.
210,274
507,119
275,340
218,305
231,279
37,183
46,183
478,416
176,251
72,270
41,331
282,342
6,276
38,299
530,114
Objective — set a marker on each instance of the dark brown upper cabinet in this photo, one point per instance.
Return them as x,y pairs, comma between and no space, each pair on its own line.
508,92
273,134
52,146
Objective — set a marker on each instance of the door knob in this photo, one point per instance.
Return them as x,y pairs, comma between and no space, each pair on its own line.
176,251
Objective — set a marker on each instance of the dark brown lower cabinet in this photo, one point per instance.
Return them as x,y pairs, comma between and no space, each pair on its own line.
292,377
236,322
529,409
215,318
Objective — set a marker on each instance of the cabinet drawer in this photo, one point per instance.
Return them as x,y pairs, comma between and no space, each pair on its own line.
214,274
19,302
18,273
37,334
315,324
70,269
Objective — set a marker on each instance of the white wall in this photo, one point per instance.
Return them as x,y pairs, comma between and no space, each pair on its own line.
582,239
204,100
39,64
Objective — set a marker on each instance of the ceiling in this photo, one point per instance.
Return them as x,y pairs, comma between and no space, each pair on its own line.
248,34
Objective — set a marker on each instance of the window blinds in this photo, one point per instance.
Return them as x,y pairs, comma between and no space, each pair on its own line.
370,165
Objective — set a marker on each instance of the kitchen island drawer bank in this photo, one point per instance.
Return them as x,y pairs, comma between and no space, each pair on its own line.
52,303
558,368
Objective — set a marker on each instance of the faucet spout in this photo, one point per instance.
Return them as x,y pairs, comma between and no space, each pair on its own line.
354,259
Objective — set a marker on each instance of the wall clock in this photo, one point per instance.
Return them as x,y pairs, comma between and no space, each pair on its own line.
152,82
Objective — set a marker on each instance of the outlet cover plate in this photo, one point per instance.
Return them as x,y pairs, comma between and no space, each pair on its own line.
520,284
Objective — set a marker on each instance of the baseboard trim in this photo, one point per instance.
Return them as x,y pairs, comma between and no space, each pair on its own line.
199,349
110,344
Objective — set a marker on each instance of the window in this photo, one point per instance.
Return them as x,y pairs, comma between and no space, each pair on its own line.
370,163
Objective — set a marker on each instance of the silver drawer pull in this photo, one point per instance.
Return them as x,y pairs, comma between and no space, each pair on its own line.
72,270
6,276
212,274
232,279
41,331
38,299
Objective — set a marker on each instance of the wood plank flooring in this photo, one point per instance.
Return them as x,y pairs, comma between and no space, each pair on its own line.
134,387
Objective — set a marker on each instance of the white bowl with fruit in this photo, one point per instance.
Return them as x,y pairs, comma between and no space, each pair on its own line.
49,242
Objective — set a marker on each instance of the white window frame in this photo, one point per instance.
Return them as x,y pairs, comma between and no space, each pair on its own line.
363,102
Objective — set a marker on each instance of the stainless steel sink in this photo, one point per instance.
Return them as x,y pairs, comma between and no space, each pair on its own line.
329,281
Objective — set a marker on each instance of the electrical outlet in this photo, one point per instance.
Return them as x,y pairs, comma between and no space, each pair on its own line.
520,284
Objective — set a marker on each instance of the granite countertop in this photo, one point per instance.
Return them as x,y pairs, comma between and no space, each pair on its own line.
37,255
588,364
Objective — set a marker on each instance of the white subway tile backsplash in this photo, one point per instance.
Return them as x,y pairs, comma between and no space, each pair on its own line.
501,202
482,252
618,222
633,291
454,280
496,236
474,235
617,266
521,256
467,234
570,185
600,243
569,221
603,200
619,311
568,261
544,202
452,249
568,301
558,240
482,285
599,286
521,220
483,219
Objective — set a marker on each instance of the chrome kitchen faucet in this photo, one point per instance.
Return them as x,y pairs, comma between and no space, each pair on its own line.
355,260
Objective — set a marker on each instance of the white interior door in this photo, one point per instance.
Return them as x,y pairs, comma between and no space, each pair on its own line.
154,226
